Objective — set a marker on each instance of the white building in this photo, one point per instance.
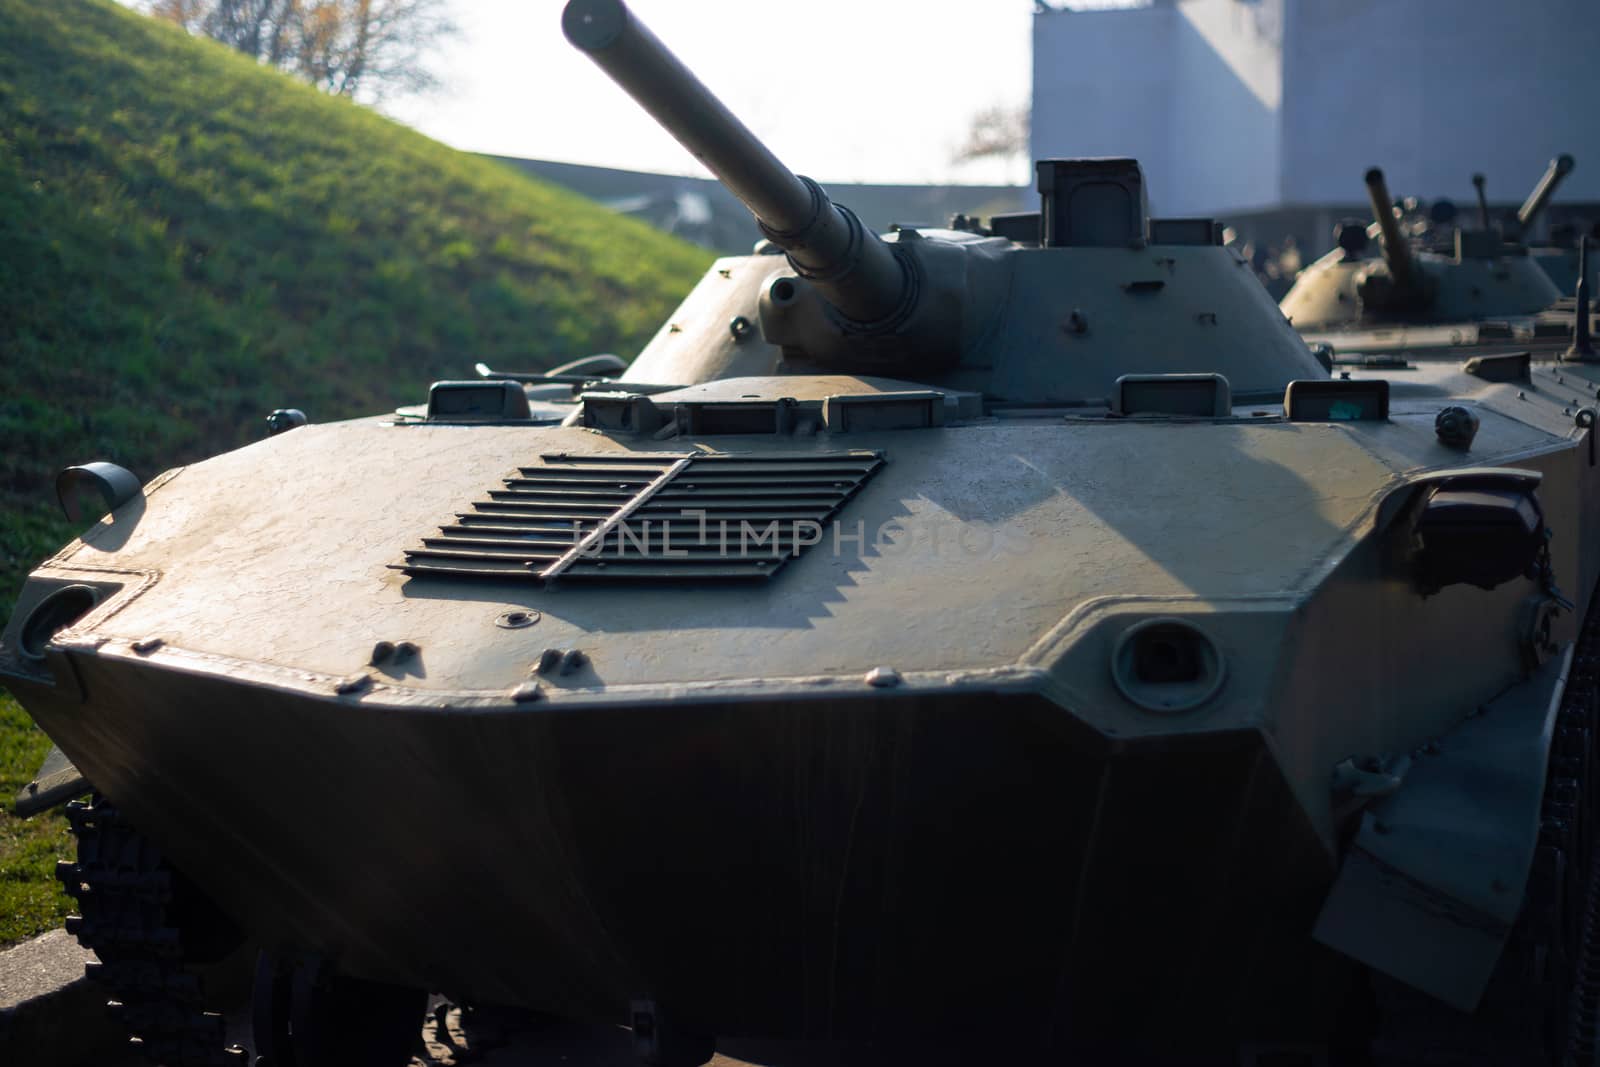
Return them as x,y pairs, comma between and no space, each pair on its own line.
1246,106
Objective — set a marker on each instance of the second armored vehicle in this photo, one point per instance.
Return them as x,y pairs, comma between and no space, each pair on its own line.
1483,275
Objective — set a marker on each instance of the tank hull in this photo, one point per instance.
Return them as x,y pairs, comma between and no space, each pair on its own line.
790,868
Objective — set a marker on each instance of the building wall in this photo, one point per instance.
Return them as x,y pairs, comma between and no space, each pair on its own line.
1433,90
1248,105
1189,88
1227,101
1103,86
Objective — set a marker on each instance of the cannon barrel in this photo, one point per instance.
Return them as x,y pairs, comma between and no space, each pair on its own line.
1554,174
848,265
1395,250
1483,202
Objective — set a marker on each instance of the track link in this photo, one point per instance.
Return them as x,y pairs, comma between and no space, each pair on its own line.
130,910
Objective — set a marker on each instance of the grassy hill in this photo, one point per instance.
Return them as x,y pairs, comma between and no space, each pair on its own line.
188,240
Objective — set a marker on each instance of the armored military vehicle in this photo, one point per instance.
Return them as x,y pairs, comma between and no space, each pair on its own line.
1441,304
1010,634
1487,272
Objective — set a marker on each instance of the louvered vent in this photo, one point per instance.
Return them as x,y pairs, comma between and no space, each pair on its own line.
637,516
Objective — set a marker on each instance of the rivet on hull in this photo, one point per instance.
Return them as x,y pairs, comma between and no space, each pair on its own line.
883,677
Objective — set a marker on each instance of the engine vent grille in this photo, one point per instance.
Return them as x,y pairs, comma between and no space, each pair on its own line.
638,517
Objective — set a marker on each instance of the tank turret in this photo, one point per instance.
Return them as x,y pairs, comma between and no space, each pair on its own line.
1478,275
1141,296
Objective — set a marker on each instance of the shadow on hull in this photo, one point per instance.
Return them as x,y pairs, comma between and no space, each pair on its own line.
843,869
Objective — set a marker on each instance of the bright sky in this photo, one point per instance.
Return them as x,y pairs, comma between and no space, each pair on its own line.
841,90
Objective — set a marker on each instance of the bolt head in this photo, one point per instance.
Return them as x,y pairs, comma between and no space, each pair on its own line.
883,677
354,683
517,618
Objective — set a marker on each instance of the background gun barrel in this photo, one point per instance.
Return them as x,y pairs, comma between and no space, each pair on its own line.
1483,202
1532,207
1395,250
848,265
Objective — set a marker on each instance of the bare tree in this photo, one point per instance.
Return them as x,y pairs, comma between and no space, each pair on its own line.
263,29
366,48
997,132
371,47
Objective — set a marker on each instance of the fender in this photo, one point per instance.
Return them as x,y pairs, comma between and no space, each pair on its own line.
54,783
1433,882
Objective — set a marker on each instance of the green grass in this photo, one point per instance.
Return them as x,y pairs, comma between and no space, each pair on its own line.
30,897
189,240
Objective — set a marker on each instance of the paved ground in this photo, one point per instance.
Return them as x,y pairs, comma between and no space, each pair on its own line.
40,967
46,1003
